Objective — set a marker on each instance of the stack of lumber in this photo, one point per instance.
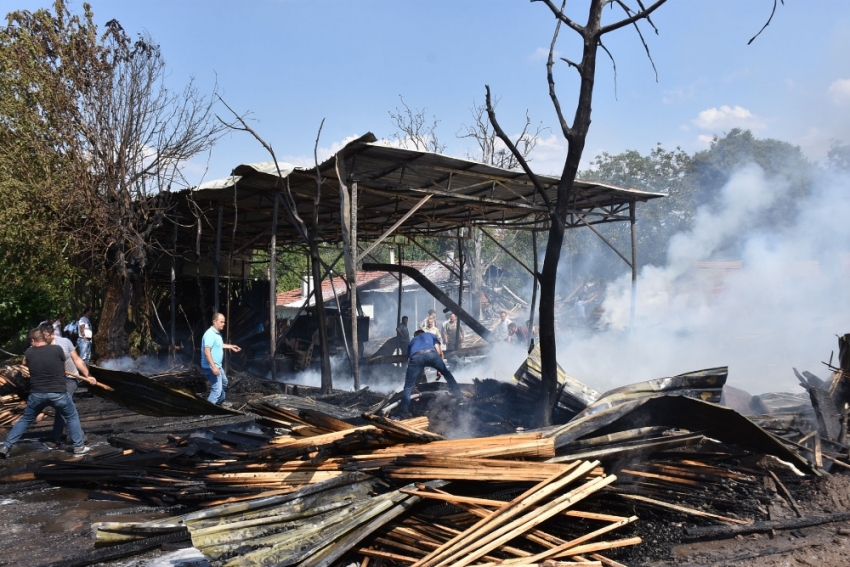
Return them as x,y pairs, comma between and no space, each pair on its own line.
14,388
357,518
397,493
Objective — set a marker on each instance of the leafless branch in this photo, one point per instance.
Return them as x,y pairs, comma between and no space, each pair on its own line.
561,16
523,163
767,23
550,77
417,130
640,35
288,201
614,64
643,14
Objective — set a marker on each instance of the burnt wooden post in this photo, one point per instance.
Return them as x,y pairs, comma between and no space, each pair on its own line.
201,303
533,288
352,282
217,256
634,265
460,260
230,270
400,290
273,289
173,289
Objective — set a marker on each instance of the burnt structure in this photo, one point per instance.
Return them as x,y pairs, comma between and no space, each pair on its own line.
365,195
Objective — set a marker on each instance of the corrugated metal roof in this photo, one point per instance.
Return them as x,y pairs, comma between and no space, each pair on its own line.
390,182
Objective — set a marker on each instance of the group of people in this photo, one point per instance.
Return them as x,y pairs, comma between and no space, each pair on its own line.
510,332
55,368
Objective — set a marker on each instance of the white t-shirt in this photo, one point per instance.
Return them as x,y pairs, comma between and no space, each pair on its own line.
88,331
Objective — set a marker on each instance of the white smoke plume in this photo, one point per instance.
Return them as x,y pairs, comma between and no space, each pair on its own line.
781,309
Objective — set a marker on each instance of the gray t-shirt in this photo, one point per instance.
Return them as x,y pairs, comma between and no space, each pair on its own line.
67,348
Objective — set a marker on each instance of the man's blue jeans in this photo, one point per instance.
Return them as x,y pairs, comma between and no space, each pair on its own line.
84,348
417,363
58,420
63,403
218,385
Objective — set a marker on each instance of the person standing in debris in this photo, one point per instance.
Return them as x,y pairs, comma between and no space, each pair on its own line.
502,332
453,329
431,326
432,317
423,352
85,331
46,364
402,335
517,334
212,356
73,365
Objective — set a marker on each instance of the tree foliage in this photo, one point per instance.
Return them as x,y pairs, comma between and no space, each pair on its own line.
40,163
97,140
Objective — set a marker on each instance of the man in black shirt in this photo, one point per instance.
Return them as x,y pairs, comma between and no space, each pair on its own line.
46,364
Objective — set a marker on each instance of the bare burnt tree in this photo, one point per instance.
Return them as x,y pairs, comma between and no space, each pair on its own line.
492,151
137,134
418,130
575,132
283,192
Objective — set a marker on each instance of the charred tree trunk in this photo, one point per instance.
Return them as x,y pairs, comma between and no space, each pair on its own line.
316,265
110,341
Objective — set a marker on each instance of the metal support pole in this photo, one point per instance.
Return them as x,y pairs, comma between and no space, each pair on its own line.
217,257
355,347
632,216
273,291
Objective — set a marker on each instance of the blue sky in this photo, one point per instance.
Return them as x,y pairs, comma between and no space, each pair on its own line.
292,63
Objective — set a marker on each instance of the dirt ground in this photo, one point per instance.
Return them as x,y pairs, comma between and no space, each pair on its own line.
46,525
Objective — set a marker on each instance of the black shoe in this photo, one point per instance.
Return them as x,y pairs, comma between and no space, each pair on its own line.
4,452
52,445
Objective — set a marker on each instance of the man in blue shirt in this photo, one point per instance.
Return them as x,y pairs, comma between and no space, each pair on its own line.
423,351
212,356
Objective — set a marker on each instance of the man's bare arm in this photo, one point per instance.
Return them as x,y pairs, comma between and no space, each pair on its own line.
81,366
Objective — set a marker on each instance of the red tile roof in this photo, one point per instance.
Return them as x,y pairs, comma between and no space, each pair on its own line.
293,297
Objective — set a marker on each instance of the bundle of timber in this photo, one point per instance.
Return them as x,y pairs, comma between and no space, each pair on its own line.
357,517
14,388
332,481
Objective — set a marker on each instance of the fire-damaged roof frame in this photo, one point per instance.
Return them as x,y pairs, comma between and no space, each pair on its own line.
391,182
363,194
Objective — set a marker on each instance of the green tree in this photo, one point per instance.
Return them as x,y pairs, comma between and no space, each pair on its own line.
711,169
118,136
661,171
39,164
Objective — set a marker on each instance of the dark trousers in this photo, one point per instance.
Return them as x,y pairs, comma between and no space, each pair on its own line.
418,362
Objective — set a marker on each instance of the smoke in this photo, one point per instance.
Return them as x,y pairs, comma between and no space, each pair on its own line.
780,309
147,365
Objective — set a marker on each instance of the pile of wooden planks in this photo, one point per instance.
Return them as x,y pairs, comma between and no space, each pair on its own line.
396,493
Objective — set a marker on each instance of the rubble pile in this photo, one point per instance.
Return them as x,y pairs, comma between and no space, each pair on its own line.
302,481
